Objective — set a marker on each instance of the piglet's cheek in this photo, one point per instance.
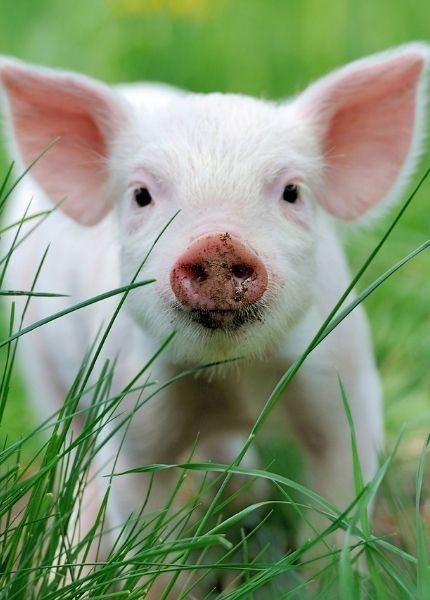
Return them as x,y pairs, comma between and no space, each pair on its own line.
300,214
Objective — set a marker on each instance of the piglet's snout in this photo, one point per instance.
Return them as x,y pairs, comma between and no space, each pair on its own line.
218,272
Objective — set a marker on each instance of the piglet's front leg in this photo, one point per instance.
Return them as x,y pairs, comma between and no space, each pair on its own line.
319,421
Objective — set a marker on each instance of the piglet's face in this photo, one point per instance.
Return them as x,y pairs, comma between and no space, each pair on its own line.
250,183
234,268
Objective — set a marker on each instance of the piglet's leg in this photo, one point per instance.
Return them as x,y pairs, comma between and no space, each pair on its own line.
319,421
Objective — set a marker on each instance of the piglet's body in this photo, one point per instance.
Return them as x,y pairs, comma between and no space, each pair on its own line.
249,267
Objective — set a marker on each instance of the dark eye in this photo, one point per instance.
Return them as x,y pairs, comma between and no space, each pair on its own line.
142,196
291,193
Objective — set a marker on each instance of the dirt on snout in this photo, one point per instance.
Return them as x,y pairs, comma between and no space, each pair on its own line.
229,282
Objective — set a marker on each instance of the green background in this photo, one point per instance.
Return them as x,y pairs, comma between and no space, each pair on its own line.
268,48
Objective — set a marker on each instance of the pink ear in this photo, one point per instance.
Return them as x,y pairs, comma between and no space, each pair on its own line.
369,119
82,115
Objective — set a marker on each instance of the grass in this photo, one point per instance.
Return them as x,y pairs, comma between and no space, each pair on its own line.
273,49
44,478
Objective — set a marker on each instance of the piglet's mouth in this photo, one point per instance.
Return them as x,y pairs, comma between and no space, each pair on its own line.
226,320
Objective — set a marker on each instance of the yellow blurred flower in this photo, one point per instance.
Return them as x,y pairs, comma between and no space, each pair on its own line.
179,8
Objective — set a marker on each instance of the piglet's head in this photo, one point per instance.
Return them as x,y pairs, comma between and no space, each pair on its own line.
254,183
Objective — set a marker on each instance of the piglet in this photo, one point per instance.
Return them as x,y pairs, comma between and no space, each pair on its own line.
249,267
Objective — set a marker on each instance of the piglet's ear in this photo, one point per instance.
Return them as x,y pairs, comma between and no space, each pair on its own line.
83,115
369,121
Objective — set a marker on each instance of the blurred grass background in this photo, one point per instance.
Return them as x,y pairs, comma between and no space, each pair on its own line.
268,48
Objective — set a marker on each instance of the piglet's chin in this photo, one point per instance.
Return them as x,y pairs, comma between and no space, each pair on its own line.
204,336
225,320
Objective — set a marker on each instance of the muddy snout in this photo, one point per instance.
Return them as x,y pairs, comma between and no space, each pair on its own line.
218,273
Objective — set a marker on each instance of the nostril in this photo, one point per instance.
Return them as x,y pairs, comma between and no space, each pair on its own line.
196,272
241,271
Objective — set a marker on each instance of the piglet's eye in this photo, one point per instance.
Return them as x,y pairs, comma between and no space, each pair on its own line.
291,193
142,196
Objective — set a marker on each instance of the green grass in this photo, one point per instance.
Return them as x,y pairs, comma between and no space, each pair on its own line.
43,555
270,49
